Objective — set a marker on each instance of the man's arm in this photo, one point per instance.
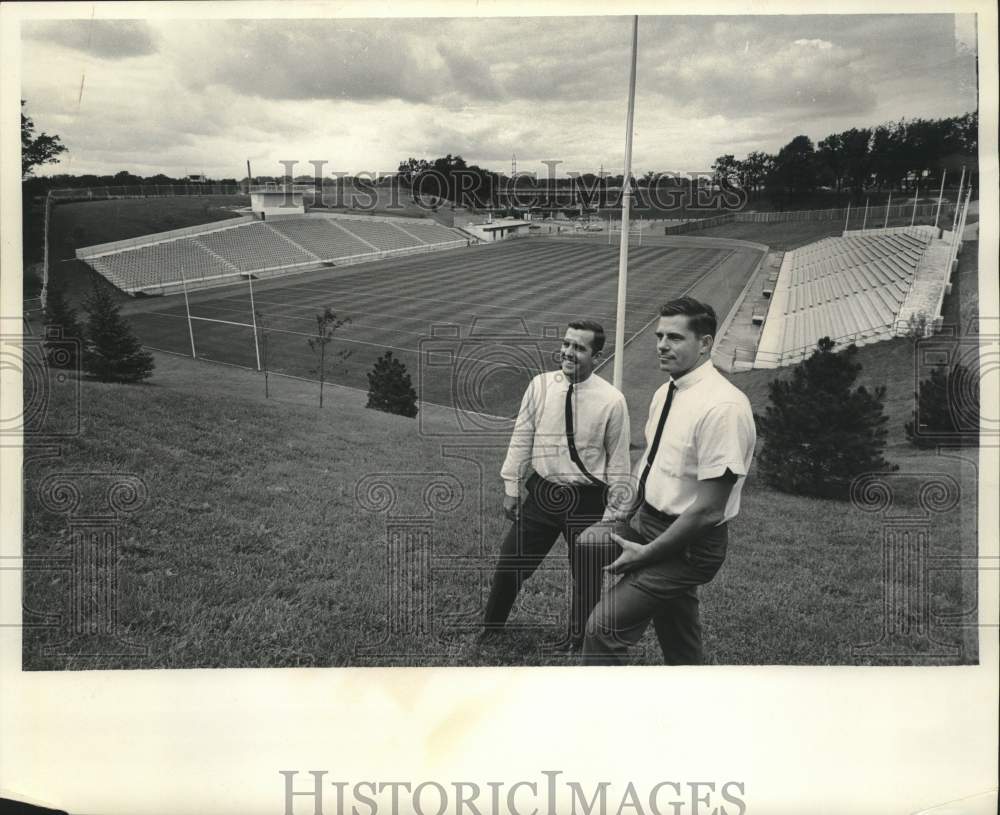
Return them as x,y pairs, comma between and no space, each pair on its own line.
707,511
519,450
617,437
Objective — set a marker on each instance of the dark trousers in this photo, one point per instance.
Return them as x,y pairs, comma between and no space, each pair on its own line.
548,511
665,593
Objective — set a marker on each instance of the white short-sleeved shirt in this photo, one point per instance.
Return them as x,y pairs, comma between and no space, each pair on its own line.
709,430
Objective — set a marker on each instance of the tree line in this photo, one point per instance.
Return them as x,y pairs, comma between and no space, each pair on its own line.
894,156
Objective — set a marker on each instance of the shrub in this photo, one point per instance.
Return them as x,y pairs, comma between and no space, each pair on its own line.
112,353
63,332
818,431
946,409
390,388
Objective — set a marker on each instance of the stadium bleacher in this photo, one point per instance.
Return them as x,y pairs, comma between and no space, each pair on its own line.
849,288
322,237
150,266
384,236
254,247
281,245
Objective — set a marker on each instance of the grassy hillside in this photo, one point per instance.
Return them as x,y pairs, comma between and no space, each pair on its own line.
779,236
87,223
255,546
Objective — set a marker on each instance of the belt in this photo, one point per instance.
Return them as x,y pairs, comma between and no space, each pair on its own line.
662,516
582,485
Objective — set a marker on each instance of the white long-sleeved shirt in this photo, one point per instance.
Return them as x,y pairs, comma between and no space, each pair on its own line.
601,434
709,430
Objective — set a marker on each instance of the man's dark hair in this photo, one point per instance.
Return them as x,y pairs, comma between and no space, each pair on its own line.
589,325
701,316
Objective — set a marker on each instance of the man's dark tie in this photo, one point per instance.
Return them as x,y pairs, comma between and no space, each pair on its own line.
641,494
570,441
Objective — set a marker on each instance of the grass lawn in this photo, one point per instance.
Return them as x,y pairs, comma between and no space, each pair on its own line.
256,548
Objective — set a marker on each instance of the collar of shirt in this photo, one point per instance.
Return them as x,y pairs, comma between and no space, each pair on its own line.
561,379
695,375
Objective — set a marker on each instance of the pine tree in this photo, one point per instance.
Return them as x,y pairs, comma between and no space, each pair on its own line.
112,352
947,408
818,433
390,388
63,332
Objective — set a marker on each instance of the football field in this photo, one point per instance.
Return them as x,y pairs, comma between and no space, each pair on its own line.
472,325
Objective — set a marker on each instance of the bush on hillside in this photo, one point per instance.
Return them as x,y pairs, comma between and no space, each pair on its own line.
818,431
390,388
946,409
112,353
63,333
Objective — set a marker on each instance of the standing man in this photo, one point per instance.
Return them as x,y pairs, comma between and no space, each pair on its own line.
569,447
700,437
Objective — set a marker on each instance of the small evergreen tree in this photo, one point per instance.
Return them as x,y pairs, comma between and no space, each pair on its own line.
63,333
390,388
818,433
112,353
947,408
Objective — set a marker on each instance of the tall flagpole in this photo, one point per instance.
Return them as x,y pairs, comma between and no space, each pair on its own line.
913,218
626,201
887,208
864,223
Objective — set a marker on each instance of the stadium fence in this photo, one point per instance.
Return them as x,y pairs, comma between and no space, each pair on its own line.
876,216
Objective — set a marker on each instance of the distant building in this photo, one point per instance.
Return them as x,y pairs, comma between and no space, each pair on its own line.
272,201
499,229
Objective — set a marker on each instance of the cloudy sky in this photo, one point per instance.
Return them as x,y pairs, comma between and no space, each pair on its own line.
178,96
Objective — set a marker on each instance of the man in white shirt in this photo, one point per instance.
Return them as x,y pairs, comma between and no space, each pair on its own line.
700,437
569,452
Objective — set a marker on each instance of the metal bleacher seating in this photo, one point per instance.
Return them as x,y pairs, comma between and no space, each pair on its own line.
158,263
253,247
850,289
322,236
218,254
380,234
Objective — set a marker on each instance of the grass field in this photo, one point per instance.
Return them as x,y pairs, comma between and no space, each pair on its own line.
87,223
492,315
254,548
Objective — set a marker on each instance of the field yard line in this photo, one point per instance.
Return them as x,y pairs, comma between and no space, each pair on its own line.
387,291
391,287
450,302
356,342
431,272
285,318
530,317
422,402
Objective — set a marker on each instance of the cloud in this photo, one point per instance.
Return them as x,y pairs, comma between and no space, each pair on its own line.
470,75
805,75
107,39
312,60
